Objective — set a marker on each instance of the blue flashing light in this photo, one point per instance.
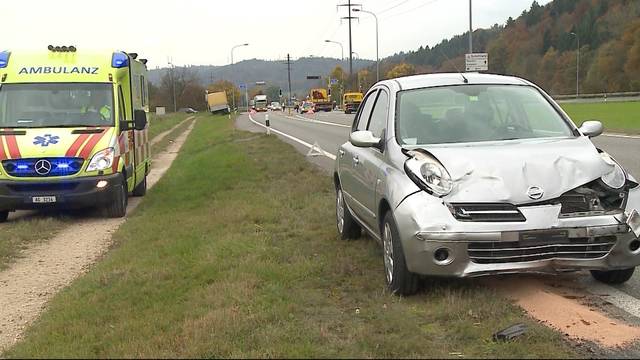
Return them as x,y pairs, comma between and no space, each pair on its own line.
4,59
119,60
22,167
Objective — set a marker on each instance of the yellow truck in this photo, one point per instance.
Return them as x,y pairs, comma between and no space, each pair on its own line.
217,102
351,102
73,130
320,99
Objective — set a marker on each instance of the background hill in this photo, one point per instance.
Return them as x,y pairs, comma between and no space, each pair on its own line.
539,46
274,73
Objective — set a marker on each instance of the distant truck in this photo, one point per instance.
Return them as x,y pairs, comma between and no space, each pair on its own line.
217,102
351,102
320,99
260,103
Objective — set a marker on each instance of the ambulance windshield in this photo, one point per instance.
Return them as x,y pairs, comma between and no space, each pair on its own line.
39,105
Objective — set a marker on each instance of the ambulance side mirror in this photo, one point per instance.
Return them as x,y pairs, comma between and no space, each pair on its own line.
139,119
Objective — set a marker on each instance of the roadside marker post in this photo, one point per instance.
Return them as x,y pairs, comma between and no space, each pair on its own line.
266,120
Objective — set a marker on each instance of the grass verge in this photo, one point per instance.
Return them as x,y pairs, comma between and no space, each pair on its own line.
234,253
616,116
170,137
16,235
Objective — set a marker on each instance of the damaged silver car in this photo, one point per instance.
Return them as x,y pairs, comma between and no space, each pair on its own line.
461,175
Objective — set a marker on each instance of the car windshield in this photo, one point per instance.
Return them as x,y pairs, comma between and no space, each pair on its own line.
476,113
59,104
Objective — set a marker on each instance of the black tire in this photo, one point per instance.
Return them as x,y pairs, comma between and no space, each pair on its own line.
613,276
399,279
348,228
4,215
118,206
141,189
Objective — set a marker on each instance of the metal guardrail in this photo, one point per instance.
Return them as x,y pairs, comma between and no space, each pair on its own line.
597,96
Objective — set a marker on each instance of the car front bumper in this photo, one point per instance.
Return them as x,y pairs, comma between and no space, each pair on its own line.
428,230
72,193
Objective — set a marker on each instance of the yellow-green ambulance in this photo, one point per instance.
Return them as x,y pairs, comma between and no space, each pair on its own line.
73,130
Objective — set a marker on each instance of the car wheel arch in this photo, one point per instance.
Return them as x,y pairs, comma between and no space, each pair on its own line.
383,208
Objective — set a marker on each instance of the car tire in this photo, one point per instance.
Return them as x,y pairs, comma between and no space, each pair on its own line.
141,189
400,281
4,215
613,277
118,206
348,227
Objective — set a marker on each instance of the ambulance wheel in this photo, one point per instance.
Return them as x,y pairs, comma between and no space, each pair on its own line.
141,189
118,206
4,215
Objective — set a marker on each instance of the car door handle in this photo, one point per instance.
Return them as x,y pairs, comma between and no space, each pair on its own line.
356,160
341,152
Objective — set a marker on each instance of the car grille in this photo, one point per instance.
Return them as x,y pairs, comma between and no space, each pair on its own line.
27,167
552,248
486,213
52,187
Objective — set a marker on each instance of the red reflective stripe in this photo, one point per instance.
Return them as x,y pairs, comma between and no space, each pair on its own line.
73,150
88,147
12,145
3,155
114,167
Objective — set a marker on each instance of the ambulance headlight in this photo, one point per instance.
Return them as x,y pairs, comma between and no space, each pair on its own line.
102,160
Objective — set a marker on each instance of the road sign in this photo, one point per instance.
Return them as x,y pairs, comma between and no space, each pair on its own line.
260,82
243,86
477,62
334,81
313,77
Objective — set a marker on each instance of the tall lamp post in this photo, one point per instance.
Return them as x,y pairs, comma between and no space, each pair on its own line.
377,41
173,84
233,91
577,65
341,60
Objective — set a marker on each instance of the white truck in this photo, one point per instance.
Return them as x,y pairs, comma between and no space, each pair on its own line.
260,103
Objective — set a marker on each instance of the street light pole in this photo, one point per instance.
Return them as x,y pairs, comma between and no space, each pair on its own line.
341,48
233,91
470,27
377,42
577,65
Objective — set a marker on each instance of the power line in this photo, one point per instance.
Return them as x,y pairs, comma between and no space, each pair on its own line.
412,9
350,18
393,7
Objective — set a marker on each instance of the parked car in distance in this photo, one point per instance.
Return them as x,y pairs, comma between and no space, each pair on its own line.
188,110
275,106
464,175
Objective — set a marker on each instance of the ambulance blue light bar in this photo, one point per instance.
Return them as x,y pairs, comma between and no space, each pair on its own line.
4,59
119,60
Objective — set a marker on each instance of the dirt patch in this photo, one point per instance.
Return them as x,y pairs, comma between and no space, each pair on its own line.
43,270
564,311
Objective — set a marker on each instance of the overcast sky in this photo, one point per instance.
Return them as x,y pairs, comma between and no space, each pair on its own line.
202,32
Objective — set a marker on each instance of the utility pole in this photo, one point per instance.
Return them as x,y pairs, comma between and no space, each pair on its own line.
173,83
470,27
350,18
289,79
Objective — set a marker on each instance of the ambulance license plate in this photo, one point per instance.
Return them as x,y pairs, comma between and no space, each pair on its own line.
43,199
634,222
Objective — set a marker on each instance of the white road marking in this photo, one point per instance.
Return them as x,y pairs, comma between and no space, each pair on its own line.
621,136
618,298
299,141
302,118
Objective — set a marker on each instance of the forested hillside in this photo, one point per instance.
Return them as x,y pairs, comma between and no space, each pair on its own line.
541,45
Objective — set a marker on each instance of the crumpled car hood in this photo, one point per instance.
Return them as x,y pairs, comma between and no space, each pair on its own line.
504,172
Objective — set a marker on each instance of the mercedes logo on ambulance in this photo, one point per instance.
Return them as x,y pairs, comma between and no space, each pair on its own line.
43,167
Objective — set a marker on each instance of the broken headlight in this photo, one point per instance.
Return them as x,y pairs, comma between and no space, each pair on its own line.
615,179
429,174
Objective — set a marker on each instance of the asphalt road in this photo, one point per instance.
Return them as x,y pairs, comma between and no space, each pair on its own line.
330,130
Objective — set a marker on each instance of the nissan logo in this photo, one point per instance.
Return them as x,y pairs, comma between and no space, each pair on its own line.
43,167
535,193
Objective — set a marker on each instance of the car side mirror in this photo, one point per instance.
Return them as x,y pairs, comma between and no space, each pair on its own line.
139,119
591,128
364,139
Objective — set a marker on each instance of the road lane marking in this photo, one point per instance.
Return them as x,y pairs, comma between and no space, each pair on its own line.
299,141
302,118
618,298
621,136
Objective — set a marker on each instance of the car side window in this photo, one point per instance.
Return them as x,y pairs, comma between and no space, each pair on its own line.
378,121
365,114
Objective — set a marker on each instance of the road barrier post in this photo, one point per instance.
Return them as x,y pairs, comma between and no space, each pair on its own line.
266,119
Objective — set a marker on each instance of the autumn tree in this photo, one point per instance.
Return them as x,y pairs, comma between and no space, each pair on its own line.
401,70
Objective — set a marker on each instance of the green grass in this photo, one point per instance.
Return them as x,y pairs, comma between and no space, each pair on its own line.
171,136
159,124
16,235
616,116
234,253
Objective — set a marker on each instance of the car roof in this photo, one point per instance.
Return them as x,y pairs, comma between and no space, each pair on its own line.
445,79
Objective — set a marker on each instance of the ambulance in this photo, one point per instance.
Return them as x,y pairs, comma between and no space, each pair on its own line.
73,130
